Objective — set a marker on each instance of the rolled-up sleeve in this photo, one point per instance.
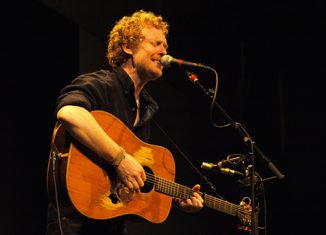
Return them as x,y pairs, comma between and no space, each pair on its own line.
84,91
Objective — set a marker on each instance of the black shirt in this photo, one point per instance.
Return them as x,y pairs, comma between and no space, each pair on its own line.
113,92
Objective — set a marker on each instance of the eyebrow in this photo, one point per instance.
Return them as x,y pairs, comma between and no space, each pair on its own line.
155,41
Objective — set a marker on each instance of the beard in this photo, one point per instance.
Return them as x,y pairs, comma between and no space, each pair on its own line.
148,74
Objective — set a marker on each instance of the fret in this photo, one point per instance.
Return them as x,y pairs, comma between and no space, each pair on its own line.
177,190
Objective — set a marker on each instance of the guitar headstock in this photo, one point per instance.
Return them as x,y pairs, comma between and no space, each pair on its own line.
245,215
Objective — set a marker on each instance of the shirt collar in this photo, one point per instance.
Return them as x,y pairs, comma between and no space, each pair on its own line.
127,84
150,105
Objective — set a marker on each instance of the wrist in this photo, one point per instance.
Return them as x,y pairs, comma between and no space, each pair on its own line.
119,157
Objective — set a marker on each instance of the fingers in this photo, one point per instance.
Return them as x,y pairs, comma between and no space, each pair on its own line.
196,187
135,183
129,185
195,200
140,181
131,173
198,196
193,203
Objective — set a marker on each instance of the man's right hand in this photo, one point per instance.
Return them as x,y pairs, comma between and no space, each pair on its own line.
131,173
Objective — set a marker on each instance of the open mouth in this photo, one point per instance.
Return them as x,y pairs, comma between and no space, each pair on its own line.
158,62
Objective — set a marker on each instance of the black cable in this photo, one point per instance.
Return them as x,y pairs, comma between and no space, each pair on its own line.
54,156
204,178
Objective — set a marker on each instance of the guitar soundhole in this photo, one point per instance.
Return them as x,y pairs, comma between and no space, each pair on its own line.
149,183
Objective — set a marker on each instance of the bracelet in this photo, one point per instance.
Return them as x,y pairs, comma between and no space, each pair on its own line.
120,156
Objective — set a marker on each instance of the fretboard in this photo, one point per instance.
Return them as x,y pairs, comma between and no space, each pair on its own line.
179,191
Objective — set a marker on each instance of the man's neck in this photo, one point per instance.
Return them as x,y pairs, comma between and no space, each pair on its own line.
138,82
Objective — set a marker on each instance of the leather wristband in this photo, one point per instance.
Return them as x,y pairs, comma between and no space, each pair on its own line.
120,156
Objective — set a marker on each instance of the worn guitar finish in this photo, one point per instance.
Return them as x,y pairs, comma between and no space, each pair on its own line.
90,187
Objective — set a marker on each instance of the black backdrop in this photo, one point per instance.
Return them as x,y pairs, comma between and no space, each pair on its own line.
270,62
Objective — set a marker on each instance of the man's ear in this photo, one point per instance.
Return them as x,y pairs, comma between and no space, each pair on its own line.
126,49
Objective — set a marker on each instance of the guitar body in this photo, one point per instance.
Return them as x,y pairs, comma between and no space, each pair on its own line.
88,186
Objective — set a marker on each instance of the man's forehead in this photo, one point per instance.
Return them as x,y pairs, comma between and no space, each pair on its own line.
152,32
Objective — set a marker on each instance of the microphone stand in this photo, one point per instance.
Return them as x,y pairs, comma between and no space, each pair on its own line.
253,148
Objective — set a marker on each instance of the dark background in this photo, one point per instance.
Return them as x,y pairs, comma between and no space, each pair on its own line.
270,60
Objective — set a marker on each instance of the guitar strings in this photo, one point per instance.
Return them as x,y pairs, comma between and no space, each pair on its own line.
183,192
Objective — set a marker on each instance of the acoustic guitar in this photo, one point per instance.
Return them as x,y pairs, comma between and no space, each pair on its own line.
78,180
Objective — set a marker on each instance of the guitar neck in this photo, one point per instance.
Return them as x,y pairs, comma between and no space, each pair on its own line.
180,191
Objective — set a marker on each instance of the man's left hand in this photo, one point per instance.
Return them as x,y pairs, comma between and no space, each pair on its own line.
192,204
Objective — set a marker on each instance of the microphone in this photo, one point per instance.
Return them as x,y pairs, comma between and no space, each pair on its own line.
229,161
227,171
167,60
220,166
